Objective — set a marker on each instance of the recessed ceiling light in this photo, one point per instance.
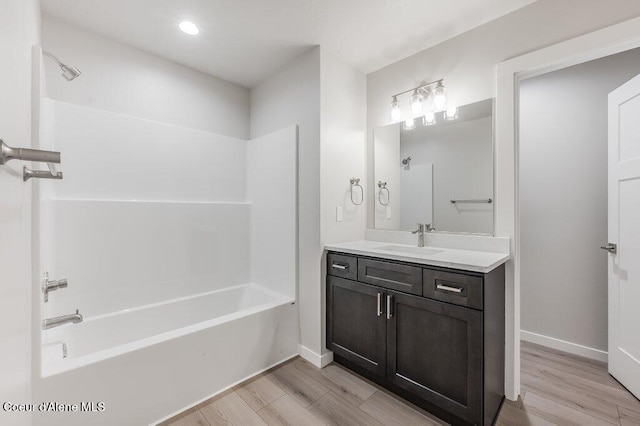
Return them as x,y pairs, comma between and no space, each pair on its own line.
189,27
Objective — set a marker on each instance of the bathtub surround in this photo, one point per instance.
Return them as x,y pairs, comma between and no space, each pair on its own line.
19,30
468,63
193,239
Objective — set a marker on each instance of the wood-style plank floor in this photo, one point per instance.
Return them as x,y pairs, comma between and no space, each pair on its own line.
557,389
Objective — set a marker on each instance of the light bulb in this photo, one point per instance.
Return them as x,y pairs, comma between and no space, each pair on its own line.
409,123
451,113
440,97
429,117
396,114
416,104
189,27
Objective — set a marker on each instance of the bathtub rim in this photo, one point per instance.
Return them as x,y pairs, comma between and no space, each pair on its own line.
60,365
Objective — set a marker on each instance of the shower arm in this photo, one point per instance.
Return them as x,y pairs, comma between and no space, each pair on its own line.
57,61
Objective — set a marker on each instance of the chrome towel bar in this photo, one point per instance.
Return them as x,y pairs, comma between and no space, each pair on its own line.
487,201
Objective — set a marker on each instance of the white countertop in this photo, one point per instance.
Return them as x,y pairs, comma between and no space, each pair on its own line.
468,260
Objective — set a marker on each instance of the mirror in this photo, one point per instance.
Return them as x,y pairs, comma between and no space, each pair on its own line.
440,174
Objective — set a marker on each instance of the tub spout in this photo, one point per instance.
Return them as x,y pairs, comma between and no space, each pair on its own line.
63,319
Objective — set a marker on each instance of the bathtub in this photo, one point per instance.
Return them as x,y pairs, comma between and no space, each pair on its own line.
172,354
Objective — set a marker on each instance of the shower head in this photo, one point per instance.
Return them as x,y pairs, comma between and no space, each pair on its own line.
69,73
406,161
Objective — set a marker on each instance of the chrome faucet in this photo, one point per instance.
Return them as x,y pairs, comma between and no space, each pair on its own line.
422,228
51,285
63,319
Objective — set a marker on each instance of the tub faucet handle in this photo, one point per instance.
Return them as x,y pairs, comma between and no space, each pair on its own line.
52,285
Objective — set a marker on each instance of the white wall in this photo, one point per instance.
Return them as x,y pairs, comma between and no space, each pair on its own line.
342,145
563,199
467,62
119,78
19,30
292,96
462,157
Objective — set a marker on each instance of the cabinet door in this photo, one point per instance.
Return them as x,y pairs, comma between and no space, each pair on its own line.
434,350
356,326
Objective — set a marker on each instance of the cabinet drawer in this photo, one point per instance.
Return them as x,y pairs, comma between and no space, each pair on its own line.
460,289
394,276
343,266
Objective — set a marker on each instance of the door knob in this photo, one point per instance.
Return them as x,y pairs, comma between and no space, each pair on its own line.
611,248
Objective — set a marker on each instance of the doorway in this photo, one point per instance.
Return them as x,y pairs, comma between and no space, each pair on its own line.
611,40
563,203
562,196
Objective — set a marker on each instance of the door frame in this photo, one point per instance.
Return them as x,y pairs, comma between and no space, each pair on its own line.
608,41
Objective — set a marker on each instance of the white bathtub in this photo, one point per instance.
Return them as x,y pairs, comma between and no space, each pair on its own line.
164,357
113,334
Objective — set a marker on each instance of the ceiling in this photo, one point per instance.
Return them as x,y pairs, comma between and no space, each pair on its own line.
245,41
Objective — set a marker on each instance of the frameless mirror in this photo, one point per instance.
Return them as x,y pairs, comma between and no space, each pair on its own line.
440,174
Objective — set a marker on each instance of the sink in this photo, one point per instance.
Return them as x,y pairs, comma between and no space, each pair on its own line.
412,250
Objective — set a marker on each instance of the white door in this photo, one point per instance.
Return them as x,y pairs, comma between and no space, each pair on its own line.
624,232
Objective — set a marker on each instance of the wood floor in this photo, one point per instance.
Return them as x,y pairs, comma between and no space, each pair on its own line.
557,389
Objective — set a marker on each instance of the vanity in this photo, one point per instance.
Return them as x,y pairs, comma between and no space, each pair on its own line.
425,323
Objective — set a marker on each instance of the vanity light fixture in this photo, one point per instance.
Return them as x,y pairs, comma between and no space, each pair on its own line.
451,113
425,101
396,114
409,123
440,97
429,117
416,104
189,27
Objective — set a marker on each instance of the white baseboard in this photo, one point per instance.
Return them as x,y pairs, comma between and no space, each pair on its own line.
319,361
563,345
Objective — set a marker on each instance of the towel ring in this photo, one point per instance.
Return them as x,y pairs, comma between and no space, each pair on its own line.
383,187
356,182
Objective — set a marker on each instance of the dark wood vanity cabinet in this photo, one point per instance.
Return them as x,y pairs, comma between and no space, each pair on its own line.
442,349
357,332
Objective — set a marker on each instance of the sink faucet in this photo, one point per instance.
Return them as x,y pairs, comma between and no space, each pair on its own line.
422,228
63,319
